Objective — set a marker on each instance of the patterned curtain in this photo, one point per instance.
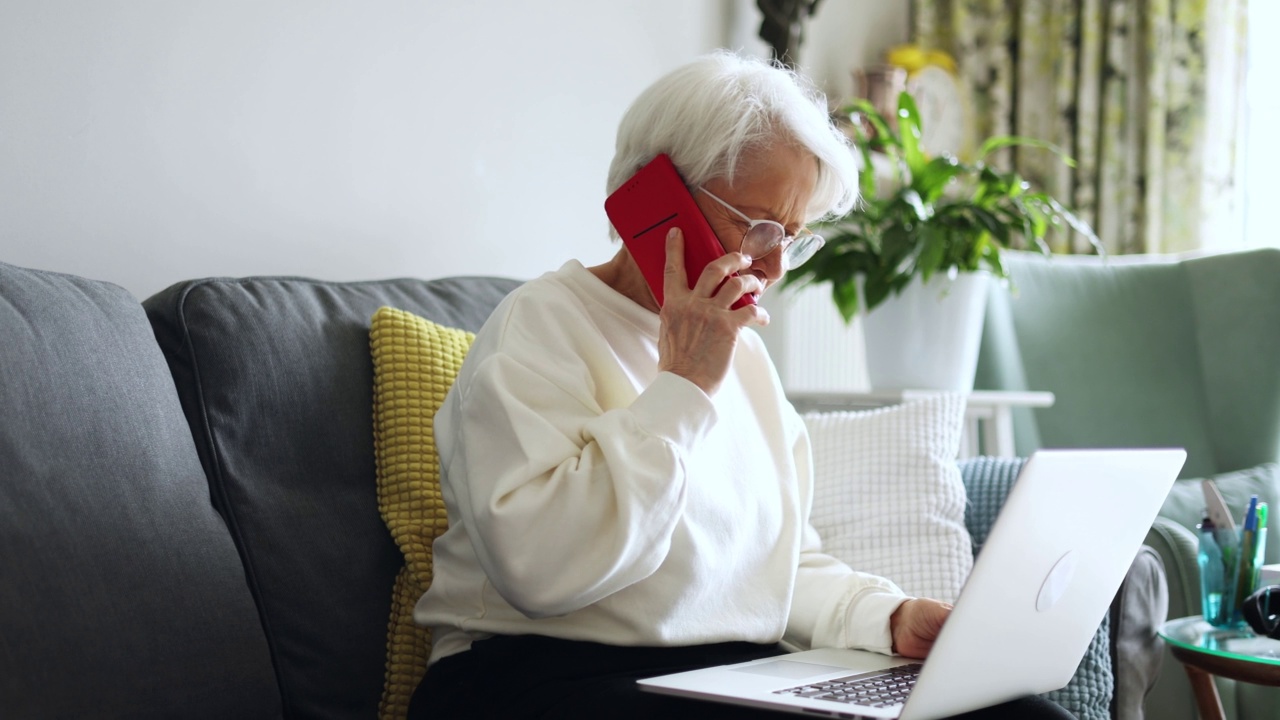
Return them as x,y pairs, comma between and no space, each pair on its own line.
1146,95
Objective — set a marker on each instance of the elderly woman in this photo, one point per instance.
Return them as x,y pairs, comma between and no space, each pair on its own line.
628,488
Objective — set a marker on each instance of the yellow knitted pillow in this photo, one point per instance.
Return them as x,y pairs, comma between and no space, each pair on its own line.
415,362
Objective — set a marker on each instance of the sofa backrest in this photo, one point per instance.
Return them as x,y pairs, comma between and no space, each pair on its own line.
121,593
276,381
1143,352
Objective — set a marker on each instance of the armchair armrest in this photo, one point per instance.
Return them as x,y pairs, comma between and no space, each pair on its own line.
1172,698
1177,548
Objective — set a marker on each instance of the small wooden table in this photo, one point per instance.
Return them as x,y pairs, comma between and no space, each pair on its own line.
1205,651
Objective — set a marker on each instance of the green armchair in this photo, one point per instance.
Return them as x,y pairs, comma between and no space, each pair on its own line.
1152,351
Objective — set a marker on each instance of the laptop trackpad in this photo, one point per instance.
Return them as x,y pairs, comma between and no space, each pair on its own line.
789,669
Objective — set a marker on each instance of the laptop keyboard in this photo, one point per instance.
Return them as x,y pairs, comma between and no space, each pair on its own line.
881,688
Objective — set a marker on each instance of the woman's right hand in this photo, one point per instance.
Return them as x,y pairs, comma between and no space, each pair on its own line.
699,327
916,624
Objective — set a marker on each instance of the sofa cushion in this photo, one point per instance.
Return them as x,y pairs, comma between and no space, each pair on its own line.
415,362
121,594
887,496
1185,503
276,381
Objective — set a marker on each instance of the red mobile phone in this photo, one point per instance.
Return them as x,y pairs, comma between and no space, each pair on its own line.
649,204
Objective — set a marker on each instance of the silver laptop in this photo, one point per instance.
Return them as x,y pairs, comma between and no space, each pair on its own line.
1041,585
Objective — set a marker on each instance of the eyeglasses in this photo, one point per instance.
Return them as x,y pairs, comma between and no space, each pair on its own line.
764,236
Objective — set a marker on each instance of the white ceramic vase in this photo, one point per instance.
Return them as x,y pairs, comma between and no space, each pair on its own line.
927,336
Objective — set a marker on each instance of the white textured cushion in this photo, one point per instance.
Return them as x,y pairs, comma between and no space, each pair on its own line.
888,498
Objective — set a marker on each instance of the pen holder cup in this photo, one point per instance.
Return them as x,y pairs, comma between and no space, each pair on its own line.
1230,562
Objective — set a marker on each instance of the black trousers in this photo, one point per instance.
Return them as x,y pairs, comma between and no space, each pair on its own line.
538,677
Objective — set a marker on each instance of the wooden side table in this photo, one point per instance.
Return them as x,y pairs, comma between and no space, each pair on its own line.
1205,651
990,410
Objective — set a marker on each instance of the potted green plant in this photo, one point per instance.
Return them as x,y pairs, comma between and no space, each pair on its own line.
939,224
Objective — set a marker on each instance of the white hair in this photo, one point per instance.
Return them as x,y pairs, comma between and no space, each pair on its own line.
710,113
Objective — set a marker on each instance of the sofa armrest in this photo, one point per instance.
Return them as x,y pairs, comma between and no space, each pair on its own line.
1172,697
1176,546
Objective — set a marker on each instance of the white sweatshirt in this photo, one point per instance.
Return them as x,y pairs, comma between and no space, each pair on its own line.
591,497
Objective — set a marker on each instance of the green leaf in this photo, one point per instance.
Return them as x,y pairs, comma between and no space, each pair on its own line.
991,224
991,184
845,294
873,241
909,129
935,175
897,243
1033,211
981,244
867,175
935,249
1034,223
917,205
993,260
1077,224
876,288
1003,141
865,109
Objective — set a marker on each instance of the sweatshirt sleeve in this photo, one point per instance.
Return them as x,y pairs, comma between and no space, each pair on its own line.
548,475
833,605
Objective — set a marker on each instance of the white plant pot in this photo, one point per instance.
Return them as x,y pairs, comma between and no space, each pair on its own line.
927,336
813,348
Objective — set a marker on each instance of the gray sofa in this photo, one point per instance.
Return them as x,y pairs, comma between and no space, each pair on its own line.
188,521
188,526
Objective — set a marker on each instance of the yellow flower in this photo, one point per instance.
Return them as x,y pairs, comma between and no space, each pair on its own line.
941,59
913,58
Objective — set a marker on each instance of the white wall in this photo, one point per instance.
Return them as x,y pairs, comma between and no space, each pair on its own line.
845,34
146,142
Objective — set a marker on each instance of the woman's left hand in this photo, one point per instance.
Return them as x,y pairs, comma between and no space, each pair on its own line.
915,625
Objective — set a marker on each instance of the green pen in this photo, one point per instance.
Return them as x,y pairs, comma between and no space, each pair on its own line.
1262,540
1245,565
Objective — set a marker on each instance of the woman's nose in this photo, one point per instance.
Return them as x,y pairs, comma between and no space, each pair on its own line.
771,264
